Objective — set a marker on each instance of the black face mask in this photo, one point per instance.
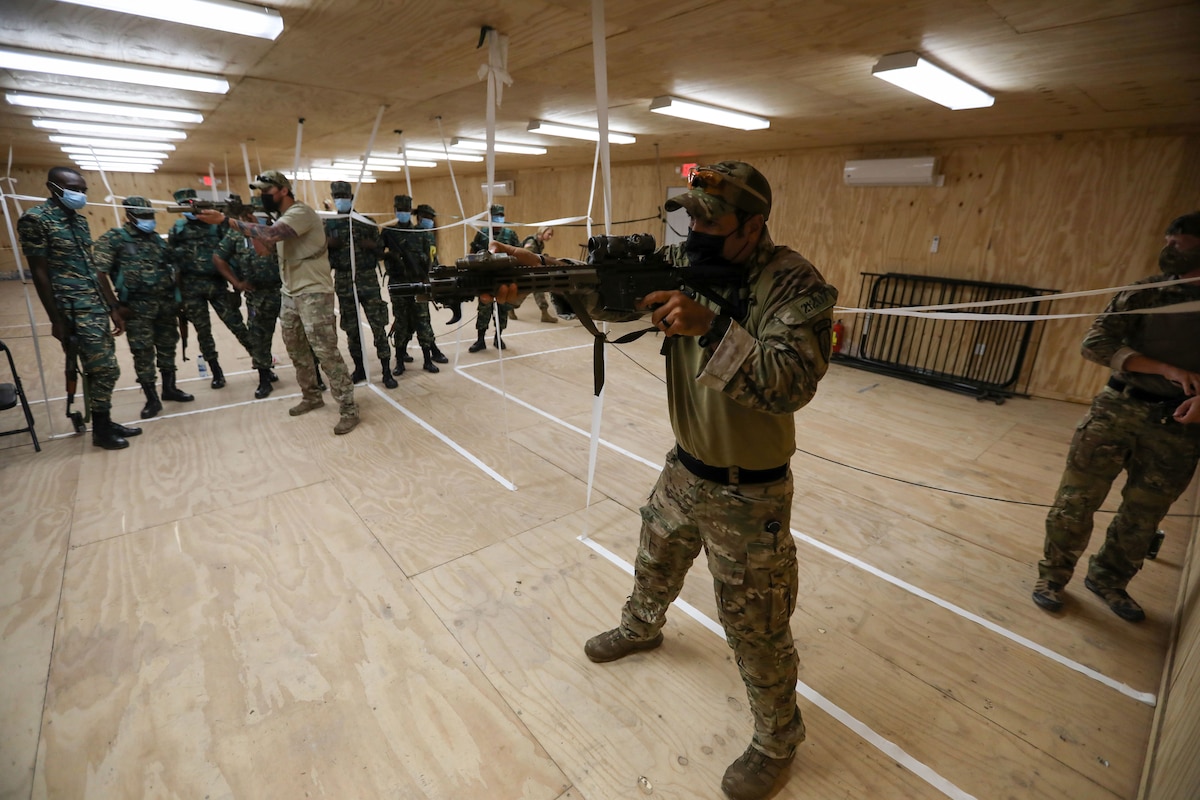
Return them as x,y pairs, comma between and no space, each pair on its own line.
704,248
1175,262
270,203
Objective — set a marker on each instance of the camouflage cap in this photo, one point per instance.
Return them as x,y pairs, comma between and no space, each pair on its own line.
138,205
426,210
402,202
496,210
184,194
271,177
341,189
719,189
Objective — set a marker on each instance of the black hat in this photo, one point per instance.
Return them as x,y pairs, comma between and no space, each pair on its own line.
402,202
426,210
497,210
341,189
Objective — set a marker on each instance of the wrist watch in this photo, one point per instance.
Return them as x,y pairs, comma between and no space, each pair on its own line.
716,331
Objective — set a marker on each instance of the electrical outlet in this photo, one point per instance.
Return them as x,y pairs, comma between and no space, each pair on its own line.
933,247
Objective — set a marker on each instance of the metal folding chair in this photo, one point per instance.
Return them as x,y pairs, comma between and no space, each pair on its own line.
11,394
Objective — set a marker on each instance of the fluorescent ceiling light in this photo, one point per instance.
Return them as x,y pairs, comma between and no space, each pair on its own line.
147,169
218,15
328,174
381,166
132,159
102,153
386,161
116,144
433,155
73,66
577,132
100,107
700,112
500,147
909,71
101,129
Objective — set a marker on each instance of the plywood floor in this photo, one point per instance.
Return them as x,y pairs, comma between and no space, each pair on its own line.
242,605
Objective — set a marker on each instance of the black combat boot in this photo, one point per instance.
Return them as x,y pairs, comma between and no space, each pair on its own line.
388,380
218,381
360,371
406,357
122,431
429,366
274,377
498,342
104,434
153,404
399,370
480,344
170,392
456,314
437,355
264,383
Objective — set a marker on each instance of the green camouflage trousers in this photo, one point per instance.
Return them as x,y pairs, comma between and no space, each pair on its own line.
1159,456
198,293
412,317
752,557
262,309
307,324
483,315
97,352
152,333
372,307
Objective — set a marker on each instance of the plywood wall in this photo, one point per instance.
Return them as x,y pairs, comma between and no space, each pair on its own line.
1083,211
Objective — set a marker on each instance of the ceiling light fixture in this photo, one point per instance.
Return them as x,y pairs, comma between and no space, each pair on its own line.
94,166
910,71
78,158
217,15
499,147
381,166
102,129
701,112
102,153
576,132
390,161
432,155
73,66
115,144
55,103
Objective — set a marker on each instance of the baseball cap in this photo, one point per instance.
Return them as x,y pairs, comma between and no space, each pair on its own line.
718,189
426,210
184,194
271,177
138,205
402,202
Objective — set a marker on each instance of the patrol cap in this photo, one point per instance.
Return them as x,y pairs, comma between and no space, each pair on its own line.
184,194
271,177
138,206
341,189
497,210
1187,225
718,189
402,202
426,210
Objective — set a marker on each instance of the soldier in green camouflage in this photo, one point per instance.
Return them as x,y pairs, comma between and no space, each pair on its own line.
1145,421
252,268
134,258
191,245
737,371
57,244
408,256
537,244
483,311
365,278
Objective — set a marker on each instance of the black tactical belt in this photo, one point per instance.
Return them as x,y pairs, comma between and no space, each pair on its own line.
1140,394
728,475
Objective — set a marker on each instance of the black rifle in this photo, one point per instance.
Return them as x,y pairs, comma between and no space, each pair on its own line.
621,270
232,206
71,351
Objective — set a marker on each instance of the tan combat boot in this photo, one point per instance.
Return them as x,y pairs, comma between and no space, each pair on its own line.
754,775
614,644
306,406
346,424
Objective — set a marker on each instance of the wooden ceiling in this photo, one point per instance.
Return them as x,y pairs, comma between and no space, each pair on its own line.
1066,66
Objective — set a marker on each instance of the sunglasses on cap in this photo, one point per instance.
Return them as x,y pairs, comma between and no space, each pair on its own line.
268,181
719,182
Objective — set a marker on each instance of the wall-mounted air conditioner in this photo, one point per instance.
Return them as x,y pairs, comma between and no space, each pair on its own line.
919,171
500,189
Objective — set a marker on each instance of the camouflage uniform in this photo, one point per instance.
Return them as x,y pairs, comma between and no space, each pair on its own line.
262,302
535,245
143,280
732,402
61,236
408,259
191,244
483,311
1130,427
366,247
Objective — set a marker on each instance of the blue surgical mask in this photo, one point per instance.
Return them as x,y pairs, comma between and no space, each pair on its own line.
498,220
72,199
189,215
145,225
343,204
426,223
403,216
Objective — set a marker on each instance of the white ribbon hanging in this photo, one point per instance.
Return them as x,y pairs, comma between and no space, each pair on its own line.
496,73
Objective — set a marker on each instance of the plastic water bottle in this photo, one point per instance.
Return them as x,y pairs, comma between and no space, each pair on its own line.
200,365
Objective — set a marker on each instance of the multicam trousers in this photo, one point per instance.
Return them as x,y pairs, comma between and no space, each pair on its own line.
199,291
752,557
307,324
262,309
152,333
1159,456
97,352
